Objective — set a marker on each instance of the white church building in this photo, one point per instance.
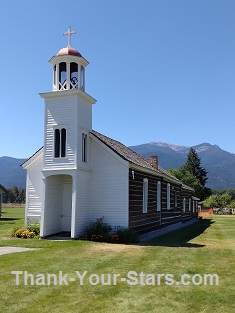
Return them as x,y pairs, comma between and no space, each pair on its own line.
80,175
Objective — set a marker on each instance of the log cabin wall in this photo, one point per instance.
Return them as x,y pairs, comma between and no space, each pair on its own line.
155,218
139,221
172,215
188,211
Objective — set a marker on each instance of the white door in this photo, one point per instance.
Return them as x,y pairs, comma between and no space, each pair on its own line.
66,207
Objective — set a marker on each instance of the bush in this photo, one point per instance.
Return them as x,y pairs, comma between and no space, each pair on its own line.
98,230
34,228
24,233
126,235
31,231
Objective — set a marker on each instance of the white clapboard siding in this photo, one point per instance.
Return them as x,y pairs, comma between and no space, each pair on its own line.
84,114
82,202
60,111
34,189
109,186
84,122
75,114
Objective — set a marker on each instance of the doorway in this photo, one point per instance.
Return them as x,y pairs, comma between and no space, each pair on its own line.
58,204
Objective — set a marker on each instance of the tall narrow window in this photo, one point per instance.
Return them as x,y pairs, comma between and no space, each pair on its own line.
145,195
60,143
176,199
84,147
184,204
63,142
168,196
189,204
57,143
159,198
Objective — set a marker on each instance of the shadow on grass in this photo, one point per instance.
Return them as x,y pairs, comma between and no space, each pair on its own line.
9,219
181,237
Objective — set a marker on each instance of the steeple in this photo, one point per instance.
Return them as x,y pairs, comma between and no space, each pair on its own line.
68,67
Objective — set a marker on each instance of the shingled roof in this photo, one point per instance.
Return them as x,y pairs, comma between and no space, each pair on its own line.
130,155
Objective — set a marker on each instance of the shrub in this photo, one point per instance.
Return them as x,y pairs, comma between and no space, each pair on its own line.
34,228
24,233
14,230
98,230
126,235
114,238
31,231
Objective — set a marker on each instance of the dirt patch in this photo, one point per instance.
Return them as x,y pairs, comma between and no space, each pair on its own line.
113,247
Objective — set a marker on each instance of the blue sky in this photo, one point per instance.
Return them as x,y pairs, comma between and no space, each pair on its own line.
161,70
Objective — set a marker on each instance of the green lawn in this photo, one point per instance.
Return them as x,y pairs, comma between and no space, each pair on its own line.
206,247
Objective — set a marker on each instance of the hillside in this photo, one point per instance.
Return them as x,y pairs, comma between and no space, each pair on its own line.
11,173
219,163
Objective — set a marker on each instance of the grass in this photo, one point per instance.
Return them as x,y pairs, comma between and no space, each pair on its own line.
205,247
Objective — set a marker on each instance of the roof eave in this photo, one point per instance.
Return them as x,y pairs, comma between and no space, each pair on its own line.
3,189
30,160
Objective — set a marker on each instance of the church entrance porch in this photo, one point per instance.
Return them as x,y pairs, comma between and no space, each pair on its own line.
58,205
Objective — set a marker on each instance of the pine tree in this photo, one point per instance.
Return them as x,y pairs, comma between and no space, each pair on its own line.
193,165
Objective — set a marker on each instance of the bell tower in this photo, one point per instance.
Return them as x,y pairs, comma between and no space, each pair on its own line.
68,112
68,67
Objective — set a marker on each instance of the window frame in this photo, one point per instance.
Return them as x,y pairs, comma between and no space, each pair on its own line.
168,196
60,142
159,196
176,199
184,205
84,147
145,195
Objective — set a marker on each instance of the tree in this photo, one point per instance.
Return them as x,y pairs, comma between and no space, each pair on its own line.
232,204
225,199
193,175
212,202
218,201
188,179
14,195
193,165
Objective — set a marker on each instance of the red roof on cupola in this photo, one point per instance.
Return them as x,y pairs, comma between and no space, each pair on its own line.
69,51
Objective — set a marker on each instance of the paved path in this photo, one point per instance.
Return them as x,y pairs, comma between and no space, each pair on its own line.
6,250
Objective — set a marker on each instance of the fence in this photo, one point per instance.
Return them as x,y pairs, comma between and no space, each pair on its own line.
205,213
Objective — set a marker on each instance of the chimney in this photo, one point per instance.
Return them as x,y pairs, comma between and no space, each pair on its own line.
154,161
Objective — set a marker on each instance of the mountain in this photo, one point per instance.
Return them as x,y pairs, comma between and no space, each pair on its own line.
219,163
11,173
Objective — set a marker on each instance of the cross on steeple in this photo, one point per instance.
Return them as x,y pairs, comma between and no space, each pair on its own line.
69,33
